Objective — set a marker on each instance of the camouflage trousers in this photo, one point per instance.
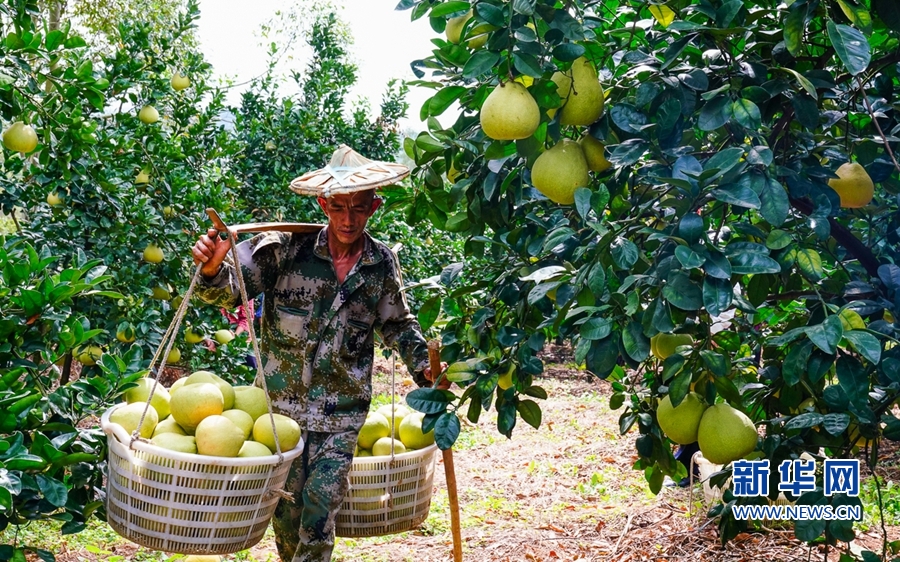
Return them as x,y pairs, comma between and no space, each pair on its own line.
318,479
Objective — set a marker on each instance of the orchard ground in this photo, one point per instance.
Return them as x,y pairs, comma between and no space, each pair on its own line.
565,491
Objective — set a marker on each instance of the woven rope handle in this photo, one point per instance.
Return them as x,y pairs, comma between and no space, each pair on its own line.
259,369
165,347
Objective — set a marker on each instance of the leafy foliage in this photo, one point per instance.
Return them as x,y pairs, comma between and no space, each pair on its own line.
715,220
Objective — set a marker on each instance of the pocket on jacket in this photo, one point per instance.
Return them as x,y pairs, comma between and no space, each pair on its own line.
356,332
291,323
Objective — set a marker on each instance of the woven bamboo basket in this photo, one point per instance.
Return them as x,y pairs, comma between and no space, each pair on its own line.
387,494
189,504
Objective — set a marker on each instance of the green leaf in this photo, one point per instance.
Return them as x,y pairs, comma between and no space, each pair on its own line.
737,194
583,202
810,263
888,11
747,114
527,64
715,113
683,293
636,344
851,47
717,295
596,328
826,335
54,491
672,365
54,39
717,363
624,253
835,424
795,26
717,265
774,203
866,344
481,62
429,312
724,160
447,8
446,431
428,400
680,386
691,228
750,263
530,412
568,51
853,379
778,239
803,81
689,259
795,363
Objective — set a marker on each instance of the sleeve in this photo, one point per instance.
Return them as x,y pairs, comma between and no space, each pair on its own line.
259,258
399,328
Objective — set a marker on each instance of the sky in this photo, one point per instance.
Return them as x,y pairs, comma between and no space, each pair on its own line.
385,42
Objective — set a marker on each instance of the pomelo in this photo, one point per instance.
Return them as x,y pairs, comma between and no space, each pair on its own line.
288,432
175,442
558,172
210,377
411,432
254,449
168,425
853,185
141,392
192,403
382,447
218,436
680,424
241,419
374,428
129,416
250,399
509,113
726,434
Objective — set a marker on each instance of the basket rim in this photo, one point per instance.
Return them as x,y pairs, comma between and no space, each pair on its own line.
117,432
402,456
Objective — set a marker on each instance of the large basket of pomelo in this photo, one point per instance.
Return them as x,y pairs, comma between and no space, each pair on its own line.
197,468
391,480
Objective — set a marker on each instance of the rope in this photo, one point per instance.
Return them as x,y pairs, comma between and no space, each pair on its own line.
168,340
259,370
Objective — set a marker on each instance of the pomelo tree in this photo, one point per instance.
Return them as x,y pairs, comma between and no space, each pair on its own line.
726,123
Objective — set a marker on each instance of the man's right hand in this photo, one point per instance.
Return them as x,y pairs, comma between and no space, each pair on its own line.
210,250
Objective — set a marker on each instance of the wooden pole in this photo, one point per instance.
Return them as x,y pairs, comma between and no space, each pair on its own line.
434,359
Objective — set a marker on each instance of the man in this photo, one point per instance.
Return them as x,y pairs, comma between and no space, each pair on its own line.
325,294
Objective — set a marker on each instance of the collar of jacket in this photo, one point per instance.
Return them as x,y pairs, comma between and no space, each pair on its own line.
370,254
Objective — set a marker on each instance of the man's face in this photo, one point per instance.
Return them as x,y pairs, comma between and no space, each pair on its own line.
348,213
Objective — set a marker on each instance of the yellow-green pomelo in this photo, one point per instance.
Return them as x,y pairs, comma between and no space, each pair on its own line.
663,345
20,137
180,82
153,254
363,453
223,336
250,399
594,154
174,356
382,447
148,115
125,333
254,449
129,416
53,199
506,379
141,392
176,385
509,113
210,377
191,336
854,186
374,428
400,411
89,355
725,434
581,93
561,170
202,558
241,419
161,293
411,432
168,425
478,35
218,436
680,424
288,432
191,403
175,442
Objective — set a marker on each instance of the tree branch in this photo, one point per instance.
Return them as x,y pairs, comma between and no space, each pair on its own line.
845,238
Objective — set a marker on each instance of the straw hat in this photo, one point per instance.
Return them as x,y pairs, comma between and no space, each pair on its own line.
348,172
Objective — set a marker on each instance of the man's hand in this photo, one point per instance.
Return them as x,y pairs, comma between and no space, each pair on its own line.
445,384
210,250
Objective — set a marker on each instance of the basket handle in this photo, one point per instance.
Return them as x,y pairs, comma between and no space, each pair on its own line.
220,226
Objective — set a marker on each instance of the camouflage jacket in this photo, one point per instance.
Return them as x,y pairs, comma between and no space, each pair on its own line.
317,337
